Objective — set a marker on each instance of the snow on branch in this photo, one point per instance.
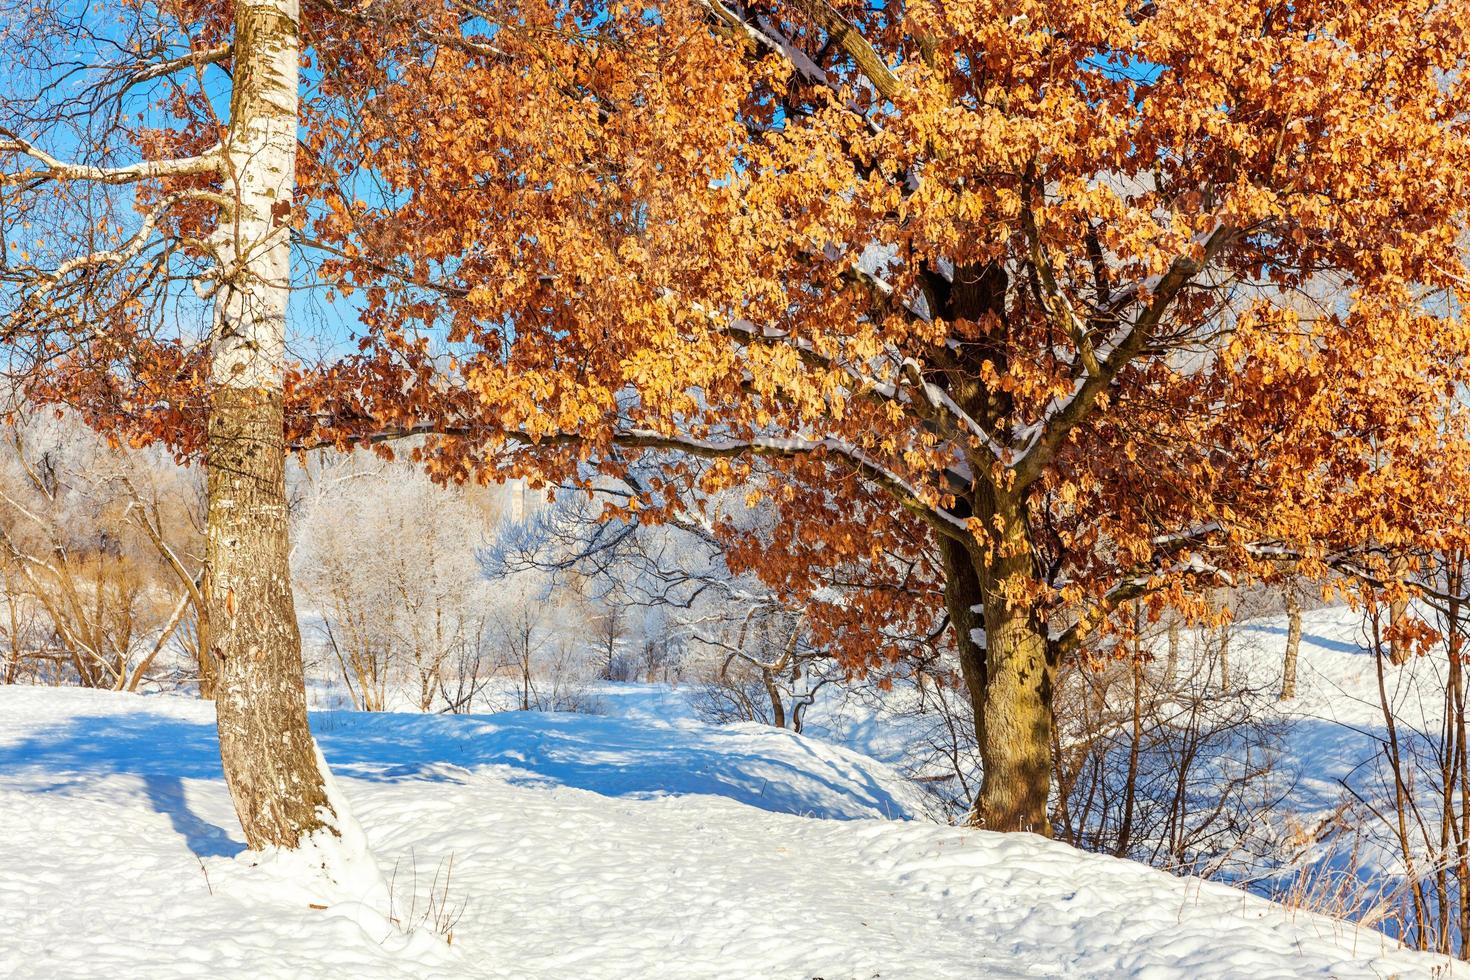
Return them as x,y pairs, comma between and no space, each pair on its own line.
859,461
1063,414
53,168
768,35
940,399
909,371
842,33
854,457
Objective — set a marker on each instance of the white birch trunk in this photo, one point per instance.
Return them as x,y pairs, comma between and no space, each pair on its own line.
269,759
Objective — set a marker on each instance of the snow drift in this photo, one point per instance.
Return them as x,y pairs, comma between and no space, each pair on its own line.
573,845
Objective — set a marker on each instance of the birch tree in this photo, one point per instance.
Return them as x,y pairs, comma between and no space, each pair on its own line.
96,245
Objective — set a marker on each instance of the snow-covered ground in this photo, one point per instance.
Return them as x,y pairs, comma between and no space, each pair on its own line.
635,844
1334,727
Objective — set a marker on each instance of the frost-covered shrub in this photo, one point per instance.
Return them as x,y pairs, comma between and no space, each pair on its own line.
389,561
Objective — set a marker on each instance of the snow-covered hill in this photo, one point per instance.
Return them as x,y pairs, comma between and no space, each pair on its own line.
1334,727
582,847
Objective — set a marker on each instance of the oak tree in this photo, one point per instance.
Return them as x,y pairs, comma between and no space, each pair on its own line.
1016,311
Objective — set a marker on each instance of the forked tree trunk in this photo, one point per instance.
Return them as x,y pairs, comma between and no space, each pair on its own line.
1004,652
269,759
1008,675
1293,646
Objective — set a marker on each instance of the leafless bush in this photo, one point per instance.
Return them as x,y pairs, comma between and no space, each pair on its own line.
611,631
390,560
762,669
945,756
563,683
466,678
1415,793
90,598
414,904
1184,776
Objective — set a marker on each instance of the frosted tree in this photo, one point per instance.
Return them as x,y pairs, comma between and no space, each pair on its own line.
390,561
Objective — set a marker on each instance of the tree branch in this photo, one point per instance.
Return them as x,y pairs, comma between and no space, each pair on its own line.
851,456
851,40
55,169
1063,415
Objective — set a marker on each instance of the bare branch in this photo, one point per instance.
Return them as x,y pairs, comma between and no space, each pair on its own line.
54,169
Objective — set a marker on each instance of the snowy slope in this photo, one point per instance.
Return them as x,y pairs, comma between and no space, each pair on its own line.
1335,723
583,847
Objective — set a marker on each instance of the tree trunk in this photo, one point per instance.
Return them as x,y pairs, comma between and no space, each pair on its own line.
1222,636
1398,610
269,758
962,598
1293,646
12,666
773,691
208,667
1130,786
1004,653
1018,722
1225,657
1171,665
1016,747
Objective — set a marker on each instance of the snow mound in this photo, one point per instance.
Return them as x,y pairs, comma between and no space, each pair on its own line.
627,757
581,846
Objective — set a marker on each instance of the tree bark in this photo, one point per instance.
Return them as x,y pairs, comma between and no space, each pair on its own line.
1019,676
1398,610
1293,646
269,758
12,666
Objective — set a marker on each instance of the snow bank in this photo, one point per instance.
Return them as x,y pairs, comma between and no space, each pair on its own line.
582,847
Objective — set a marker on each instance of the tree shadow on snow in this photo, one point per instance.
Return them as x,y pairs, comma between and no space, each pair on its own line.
161,752
761,767
166,795
1338,646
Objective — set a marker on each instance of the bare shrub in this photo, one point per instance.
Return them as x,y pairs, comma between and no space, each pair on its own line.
761,669
1184,777
89,599
1415,791
427,903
